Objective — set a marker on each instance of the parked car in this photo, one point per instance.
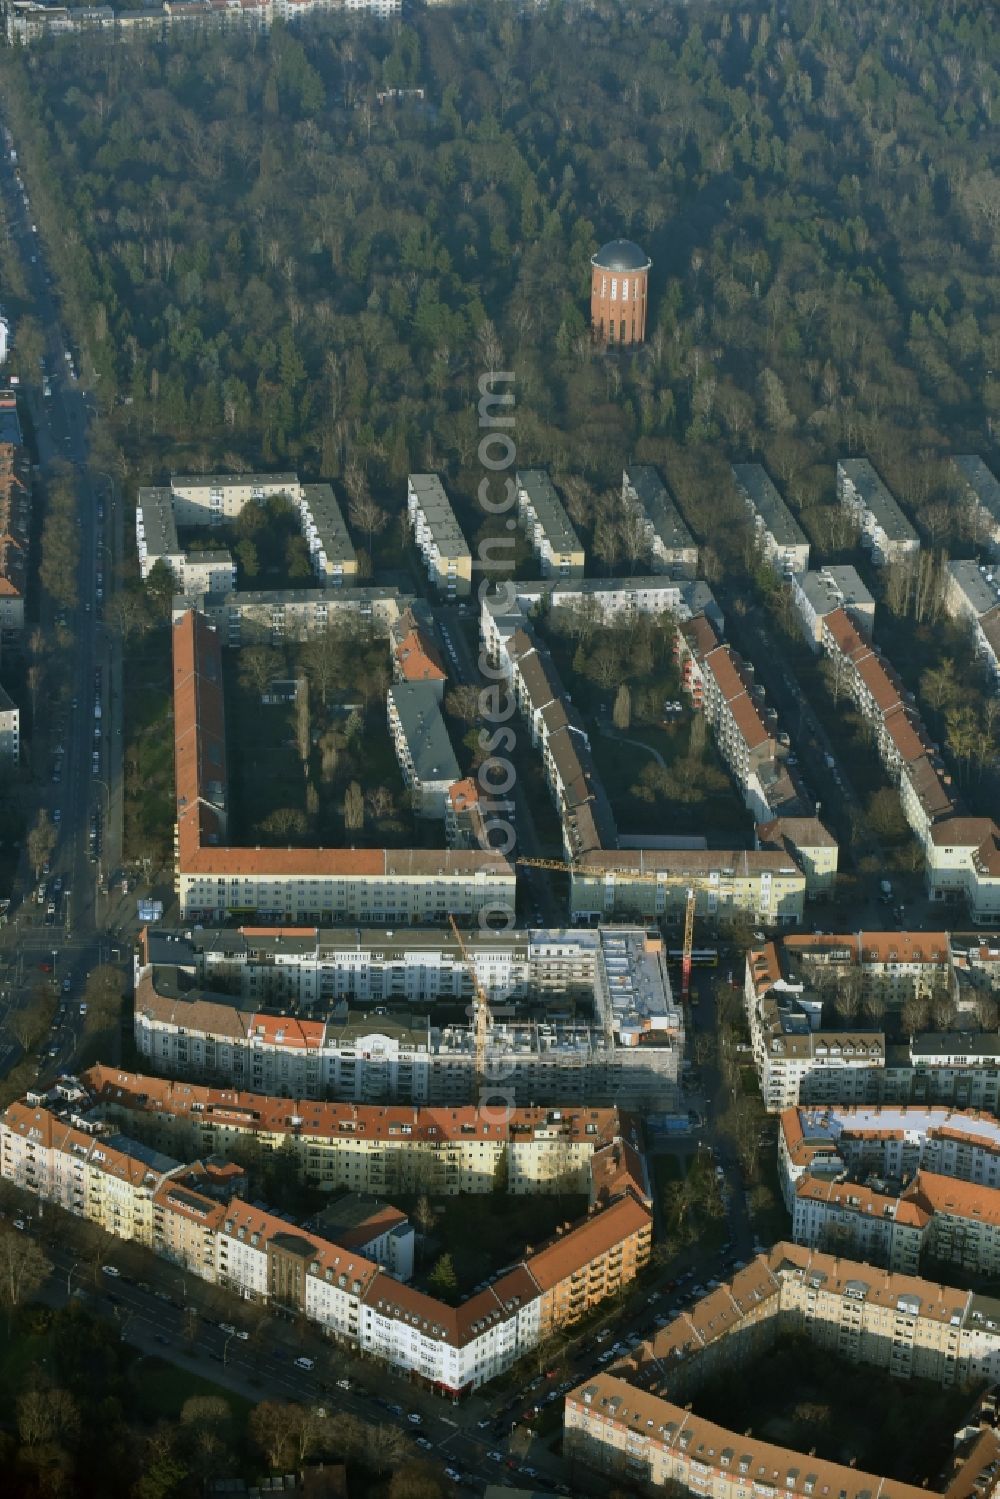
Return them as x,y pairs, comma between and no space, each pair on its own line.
111,1270
305,1363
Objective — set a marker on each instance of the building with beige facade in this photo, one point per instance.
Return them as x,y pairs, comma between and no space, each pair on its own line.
58,1146
438,536
207,502
638,1422
669,544
377,1149
544,521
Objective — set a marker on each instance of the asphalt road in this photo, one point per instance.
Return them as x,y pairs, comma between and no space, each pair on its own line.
90,762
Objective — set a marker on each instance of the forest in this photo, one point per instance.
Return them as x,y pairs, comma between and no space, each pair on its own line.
264,264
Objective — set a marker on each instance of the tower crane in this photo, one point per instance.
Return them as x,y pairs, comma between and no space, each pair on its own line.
482,1005
693,886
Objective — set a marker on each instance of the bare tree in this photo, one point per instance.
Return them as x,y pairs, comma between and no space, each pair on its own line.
354,807
621,714
41,842
23,1267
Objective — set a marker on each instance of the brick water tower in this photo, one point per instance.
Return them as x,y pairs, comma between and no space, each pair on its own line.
619,275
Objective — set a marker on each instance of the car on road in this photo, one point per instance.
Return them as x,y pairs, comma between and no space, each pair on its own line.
227,1327
57,816
111,1270
425,1444
453,1474
66,984
83,1009
414,1418
495,1457
305,1363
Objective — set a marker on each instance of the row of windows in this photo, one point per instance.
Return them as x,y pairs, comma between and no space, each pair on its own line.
637,288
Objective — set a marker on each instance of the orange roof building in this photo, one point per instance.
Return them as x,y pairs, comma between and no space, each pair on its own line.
216,880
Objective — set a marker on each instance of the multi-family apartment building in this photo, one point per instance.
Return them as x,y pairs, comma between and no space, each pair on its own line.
576,1016
810,846
973,595
10,731
818,593
787,985
215,879
635,1424
415,654
210,501
273,616
600,600
978,489
781,539
963,863
670,546
53,1146
887,1141
27,21
611,600
949,1221
378,1149
544,521
438,536
903,744
423,748
15,517
759,756
797,1059
885,531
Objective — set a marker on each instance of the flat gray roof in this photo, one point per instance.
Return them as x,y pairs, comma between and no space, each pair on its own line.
829,588
756,484
876,499
971,578
549,511
424,730
158,525
973,471
233,481
658,505
438,515
329,522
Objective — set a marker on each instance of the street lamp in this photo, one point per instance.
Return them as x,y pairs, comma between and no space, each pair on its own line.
225,1348
69,1278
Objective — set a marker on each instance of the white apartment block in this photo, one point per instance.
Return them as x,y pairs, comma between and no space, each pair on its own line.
438,536
973,595
885,531
628,1051
210,501
671,547
272,616
545,523
818,593
977,487
423,748
781,538
10,732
